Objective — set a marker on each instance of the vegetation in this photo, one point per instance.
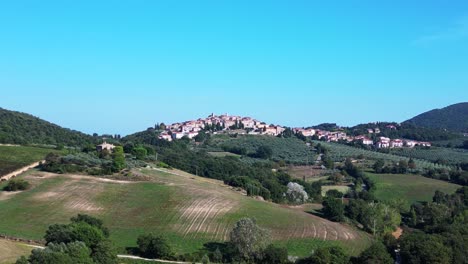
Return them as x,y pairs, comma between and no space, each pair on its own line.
405,130
443,156
154,246
408,187
16,157
441,234
16,185
84,240
187,210
21,128
248,240
339,152
290,150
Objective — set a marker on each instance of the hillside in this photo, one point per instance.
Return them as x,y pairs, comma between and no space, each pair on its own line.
187,209
21,128
453,118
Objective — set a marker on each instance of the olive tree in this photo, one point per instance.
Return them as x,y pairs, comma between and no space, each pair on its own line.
248,239
296,193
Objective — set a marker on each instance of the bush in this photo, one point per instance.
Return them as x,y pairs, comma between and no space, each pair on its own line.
16,185
154,246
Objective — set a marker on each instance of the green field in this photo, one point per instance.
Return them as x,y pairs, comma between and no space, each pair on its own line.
10,251
188,210
15,157
411,188
341,188
339,152
291,150
433,154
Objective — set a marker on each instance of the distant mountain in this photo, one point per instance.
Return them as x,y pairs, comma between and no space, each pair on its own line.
453,118
21,128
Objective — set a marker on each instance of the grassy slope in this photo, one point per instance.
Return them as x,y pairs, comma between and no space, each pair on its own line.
10,251
410,187
171,205
15,157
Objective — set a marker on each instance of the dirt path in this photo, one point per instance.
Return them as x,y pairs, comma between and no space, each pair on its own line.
19,171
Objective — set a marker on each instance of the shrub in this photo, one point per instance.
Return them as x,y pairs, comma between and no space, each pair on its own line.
16,185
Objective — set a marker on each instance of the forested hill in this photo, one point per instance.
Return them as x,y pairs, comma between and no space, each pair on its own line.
453,118
21,128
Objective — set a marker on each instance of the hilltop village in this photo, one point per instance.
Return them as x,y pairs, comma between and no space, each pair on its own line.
246,125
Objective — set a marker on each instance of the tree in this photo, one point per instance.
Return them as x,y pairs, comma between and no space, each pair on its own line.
264,152
154,246
378,166
402,166
248,240
274,255
417,247
296,193
333,209
118,159
375,254
217,256
380,218
327,255
205,259
411,164
328,162
201,136
71,253
93,221
140,152
465,144
105,253
334,194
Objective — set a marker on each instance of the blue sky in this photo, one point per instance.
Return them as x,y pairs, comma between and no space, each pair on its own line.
121,66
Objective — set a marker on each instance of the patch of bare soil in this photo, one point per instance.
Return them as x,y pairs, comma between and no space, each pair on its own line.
7,195
200,216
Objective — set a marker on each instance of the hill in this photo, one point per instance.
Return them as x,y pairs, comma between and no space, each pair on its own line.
187,209
22,128
453,118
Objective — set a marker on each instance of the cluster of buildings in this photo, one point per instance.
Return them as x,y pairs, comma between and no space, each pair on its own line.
248,125
385,142
381,142
191,128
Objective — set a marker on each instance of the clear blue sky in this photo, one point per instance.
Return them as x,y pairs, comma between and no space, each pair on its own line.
121,66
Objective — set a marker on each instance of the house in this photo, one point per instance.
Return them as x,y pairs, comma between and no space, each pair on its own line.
367,141
192,134
364,140
304,132
376,130
370,131
105,146
178,135
383,144
273,130
396,143
165,136
424,144
248,122
410,143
